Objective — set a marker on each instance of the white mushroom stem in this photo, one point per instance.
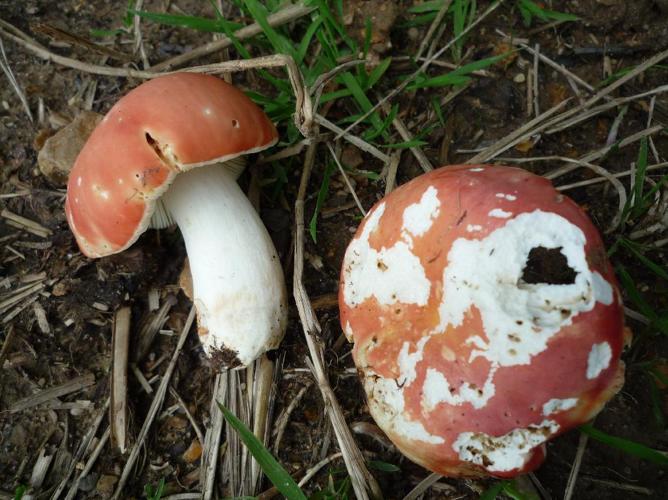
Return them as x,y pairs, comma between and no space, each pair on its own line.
238,284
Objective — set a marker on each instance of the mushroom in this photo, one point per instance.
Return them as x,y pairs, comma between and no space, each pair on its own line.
170,152
485,317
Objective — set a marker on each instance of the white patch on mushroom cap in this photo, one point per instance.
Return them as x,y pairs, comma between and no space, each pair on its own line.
473,227
392,274
477,169
386,404
508,197
518,318
558,405
499,213
437,389
408,361
419,216
503,453
598,360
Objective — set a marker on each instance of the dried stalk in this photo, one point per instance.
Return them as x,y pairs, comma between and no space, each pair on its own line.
364,484
118,408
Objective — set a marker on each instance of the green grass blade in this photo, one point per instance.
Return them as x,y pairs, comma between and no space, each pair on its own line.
278,476
627,446
360,97
650,264
457,76
378,72
279,42
191,22
307,39
493,491
430,6
407,144
634,294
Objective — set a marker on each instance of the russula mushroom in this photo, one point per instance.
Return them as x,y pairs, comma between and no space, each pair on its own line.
485,318
169,151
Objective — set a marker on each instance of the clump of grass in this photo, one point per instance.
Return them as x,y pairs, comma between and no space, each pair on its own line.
155,493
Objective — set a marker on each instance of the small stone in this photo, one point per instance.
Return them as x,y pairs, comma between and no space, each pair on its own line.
60,150
520,78
105,485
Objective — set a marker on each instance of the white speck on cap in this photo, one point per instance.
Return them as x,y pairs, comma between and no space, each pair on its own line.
557,405
501,214
598,360
419,217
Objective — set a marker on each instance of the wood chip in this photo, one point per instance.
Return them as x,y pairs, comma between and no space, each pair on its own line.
25,224
119,379
42,321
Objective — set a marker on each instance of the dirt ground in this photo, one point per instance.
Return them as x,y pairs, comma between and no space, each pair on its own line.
64,330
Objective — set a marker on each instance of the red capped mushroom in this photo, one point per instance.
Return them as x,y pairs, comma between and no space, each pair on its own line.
169,151
485,316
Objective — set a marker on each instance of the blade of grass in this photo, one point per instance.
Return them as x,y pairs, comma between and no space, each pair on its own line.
650,264
191,22
458,76
634,294
360,97
273,470
627,446
280,44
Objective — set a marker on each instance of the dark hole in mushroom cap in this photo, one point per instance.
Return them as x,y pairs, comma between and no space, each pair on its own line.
548,266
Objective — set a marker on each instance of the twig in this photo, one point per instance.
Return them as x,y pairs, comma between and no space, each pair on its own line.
154,408
211,442
9,338
423,486
599,153
354,140
575,469
261,396
74,385
391,174
27,224
536,86
346,179
283,16
284,417
314,470
432,28
515,137
118,408
362,481
406,136
81,450
89,465
4,65
184,406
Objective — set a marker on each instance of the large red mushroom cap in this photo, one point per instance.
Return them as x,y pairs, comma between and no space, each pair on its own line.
486,318
165,126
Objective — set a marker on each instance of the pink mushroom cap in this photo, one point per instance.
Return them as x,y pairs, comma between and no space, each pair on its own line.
485,316
165,126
